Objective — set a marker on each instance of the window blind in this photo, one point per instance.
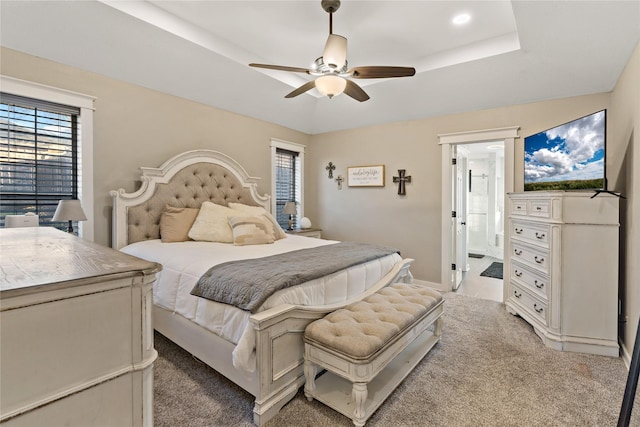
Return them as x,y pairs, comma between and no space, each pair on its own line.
288,184
38,156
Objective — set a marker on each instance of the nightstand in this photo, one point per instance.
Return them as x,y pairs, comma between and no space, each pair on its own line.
307,232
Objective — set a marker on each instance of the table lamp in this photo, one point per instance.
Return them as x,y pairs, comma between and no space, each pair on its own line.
290,209
69,210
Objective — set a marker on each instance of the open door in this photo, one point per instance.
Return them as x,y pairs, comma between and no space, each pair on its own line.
459,246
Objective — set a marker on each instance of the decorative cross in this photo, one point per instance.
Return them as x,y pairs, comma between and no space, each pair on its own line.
330,167
400,180
339,180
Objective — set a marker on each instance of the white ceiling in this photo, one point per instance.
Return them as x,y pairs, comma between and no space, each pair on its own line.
511,52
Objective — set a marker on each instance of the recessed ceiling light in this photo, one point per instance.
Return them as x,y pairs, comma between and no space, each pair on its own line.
461,19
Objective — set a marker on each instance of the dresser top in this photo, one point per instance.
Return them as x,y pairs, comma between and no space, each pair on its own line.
34,257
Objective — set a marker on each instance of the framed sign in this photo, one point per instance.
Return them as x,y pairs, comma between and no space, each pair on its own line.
365,176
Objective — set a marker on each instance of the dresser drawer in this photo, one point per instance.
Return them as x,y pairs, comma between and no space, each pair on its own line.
530,279
536,258
519,207
529,303
540,208
532,207
535,233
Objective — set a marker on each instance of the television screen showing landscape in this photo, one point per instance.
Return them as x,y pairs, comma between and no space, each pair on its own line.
567,157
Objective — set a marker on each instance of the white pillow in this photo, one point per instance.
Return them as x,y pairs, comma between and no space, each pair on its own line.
251,230
212,223
278,232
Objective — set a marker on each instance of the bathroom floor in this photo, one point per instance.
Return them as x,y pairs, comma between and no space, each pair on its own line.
477,286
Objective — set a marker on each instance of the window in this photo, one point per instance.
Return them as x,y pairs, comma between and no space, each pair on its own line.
287,185
46,151
38,157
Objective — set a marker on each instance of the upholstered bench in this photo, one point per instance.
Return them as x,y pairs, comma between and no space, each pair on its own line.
369,347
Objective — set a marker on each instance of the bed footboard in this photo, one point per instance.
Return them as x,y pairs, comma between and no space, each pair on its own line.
279,370
280,347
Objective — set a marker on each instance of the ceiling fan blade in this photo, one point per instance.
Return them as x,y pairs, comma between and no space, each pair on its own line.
355,91
375,72
281,68
302,89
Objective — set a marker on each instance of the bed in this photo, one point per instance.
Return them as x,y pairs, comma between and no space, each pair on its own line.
261,351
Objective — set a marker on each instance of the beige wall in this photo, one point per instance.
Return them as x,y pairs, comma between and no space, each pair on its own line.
412,223
134,127
625,177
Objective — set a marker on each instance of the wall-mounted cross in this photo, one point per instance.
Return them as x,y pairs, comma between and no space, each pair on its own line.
400,180
339,180
330,167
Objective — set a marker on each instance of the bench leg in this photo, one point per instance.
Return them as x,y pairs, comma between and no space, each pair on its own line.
437,331
359,393
310,372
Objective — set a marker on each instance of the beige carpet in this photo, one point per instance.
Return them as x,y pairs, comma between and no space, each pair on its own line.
489,369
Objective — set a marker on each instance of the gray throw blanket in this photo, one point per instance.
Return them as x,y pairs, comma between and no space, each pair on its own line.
247,284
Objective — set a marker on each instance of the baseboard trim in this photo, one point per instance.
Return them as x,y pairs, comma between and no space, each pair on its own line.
626,356
432,285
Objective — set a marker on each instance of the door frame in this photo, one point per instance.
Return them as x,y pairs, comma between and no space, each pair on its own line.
507,135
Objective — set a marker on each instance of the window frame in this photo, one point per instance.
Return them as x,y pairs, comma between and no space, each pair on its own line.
85,136
289,146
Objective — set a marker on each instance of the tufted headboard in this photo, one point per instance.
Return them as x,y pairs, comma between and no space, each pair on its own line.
185,180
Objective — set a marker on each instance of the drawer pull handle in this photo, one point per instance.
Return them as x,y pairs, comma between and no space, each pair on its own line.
518,273
538,260
518,230
517,252
540,236
539,310
518,207
516,294
539,286
538,208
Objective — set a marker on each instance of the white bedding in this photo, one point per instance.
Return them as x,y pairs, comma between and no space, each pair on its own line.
183,263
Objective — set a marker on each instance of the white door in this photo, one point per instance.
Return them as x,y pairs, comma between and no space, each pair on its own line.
459,253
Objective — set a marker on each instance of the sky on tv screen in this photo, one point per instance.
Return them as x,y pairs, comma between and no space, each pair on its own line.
573,151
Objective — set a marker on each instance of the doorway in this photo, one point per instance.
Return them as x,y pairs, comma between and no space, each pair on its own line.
482,164
451,275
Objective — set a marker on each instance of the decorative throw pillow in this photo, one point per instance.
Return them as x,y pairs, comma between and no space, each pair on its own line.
175,223
251,230
258,210
212,223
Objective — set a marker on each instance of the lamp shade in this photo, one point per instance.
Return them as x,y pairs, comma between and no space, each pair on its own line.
331,85
69,210
290,208
335,51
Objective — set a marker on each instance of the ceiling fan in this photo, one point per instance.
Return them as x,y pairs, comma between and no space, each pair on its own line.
331,68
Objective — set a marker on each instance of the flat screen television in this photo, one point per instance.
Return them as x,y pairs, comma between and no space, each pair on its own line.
568,157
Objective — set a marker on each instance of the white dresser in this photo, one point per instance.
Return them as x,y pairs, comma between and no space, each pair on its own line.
561,262
76,347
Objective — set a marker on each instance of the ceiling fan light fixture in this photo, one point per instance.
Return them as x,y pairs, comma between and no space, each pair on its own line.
331,69
335,51
331,85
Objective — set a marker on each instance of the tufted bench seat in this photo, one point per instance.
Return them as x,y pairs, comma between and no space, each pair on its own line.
369,347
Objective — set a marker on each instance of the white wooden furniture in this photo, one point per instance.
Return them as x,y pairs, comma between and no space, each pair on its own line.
562,268
369,347
308,232
188,179
76,347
